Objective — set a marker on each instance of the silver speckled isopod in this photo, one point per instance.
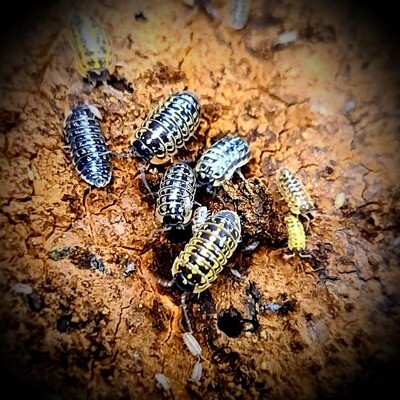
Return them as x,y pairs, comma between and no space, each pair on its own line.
221,160
85,140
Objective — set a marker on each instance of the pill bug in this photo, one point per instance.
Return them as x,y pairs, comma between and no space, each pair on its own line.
94,57
191,343
339,200
167,128
197,371
175,196
293,191
84,139
221,160
238,13
162,382
204,256
199,217
296,235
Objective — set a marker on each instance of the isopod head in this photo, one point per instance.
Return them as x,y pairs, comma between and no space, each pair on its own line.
183,283
143,153
306,206
204,179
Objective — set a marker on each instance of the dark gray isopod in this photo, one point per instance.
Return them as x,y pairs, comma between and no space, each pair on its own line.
85,140
176,195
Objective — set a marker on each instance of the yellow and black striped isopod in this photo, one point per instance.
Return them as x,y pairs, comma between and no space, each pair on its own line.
293,191
175,197
296,236
94,57
213,243
85,140
167,128
221,160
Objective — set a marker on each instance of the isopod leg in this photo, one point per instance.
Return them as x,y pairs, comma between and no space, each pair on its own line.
287,256
305,255
120,155
239,172
151,234
167,284
184,311
144,180
308,221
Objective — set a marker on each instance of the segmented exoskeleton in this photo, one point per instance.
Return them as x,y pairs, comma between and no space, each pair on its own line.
296,236
167,128
94,57
199,217
198,264
176,195
221,160
293,191
84,138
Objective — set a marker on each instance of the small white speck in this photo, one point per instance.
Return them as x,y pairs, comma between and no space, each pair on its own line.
263,365
339,200
350,105
22,288
287,37
396,241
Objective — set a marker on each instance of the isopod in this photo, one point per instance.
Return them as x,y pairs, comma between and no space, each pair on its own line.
197,371
286,37
85,140
199,217
296,235
198,264
175,196
339,200
192,344
167,128
239,11
94,57
221,160
294,192
163,382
